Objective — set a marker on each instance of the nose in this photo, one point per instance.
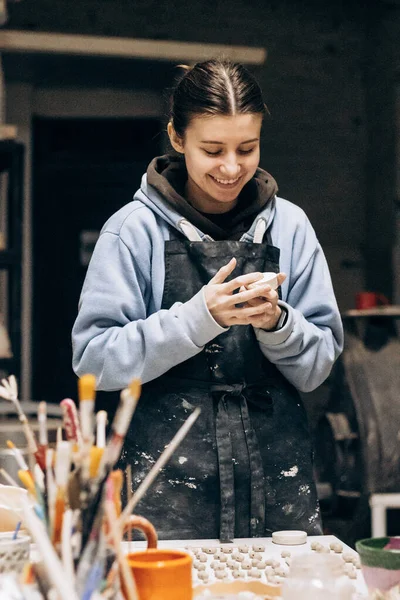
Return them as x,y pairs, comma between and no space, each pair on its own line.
230,166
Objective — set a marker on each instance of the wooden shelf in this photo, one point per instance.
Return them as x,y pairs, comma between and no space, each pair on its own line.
37,42
392,310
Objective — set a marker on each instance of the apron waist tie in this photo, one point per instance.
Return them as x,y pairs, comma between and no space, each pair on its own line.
225,461
225,453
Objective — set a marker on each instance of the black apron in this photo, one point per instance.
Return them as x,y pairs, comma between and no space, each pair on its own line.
245,468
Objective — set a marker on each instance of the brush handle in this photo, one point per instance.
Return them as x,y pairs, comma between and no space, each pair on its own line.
71,421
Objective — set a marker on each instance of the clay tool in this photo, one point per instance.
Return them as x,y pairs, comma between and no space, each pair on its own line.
160,463
43,439
63,465
52,564
71,421
9,391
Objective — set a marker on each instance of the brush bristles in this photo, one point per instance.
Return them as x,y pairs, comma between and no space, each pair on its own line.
135,388
10,444
87,387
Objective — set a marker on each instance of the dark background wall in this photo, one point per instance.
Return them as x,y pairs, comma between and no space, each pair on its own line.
329,81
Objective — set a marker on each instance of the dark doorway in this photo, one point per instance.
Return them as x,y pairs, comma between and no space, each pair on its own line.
84,170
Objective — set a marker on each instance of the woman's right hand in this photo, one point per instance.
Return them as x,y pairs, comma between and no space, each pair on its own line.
225,306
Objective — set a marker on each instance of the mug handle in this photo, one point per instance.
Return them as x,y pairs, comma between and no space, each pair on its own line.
137,522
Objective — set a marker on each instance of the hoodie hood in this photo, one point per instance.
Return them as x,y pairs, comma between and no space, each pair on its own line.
167,175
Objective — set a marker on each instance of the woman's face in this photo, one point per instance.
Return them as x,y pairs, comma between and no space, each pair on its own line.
222,154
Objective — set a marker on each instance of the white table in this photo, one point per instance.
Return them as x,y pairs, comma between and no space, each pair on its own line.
271,550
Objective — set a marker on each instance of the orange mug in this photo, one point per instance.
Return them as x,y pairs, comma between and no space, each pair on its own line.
162,574
365,300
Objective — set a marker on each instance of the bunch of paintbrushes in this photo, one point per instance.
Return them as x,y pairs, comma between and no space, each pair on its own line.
76,522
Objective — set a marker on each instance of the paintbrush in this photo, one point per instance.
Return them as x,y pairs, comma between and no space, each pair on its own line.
43,439
116,477
24,474
161,462
129,584
51,488
126,408
97,451
63,465
71,421
87,392
9,391
66,546
129,492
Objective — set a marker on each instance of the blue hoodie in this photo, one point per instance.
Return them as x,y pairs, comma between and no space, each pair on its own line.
121,332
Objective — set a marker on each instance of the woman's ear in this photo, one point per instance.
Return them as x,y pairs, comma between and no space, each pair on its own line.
176,141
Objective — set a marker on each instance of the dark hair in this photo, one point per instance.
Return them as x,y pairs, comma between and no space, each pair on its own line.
214,87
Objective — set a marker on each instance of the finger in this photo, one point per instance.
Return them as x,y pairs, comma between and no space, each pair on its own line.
224,272
249,295
243,314
242,281
281,278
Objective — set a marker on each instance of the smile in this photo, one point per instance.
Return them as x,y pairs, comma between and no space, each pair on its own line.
226,181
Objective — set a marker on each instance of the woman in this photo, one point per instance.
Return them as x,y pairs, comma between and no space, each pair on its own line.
168,298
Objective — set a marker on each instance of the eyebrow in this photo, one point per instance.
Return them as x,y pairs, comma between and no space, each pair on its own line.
223,144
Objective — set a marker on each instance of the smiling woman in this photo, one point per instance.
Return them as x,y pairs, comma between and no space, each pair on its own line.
169,298
221,155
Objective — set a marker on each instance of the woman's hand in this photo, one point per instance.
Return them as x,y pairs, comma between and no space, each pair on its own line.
247,307
267,298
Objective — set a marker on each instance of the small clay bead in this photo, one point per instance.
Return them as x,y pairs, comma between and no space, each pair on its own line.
202,557
258,547
255,573
347,557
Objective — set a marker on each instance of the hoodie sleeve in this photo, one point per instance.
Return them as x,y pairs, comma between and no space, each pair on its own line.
118,333
305,349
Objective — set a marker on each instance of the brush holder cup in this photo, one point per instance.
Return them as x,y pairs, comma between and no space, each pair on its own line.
14,554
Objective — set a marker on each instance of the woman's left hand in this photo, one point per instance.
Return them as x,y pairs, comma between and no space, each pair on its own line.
267,303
